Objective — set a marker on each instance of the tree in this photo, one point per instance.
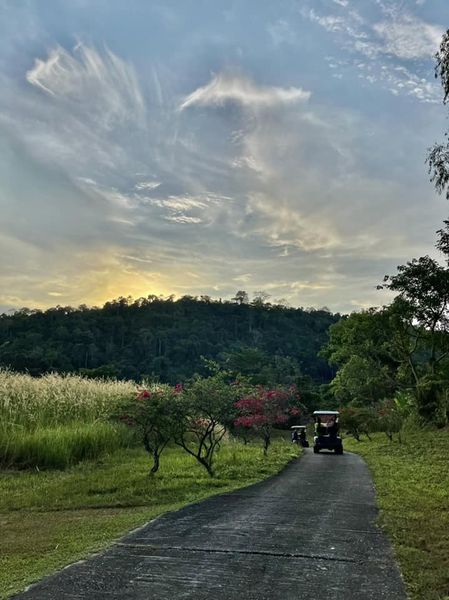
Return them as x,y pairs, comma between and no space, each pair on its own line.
259,367
438,157
361,346
152,412
204,411
162,338
263,409
362,381
422,307
260,298
390,419
357,421
241,297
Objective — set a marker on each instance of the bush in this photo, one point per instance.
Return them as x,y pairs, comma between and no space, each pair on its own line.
357,421
153,414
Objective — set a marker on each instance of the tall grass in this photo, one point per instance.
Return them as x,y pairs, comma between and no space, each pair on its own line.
57,420
54,399
61,446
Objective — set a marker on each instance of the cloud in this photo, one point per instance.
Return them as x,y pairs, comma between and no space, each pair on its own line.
408,37
127,189
349,23
384,46
224,88
147,186
105,81
184,219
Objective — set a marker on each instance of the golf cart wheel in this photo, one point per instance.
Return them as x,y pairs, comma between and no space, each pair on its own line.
316,450
338,450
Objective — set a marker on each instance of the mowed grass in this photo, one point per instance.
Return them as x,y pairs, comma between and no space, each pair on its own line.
51,518
412,484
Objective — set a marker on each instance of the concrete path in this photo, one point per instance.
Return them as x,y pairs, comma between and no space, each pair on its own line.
306,533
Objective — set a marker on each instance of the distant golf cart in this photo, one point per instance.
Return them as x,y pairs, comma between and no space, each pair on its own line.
326,431
299,435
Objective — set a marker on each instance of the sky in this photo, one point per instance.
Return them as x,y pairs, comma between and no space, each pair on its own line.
204,147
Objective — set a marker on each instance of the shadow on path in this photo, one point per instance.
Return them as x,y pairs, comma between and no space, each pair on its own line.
308,532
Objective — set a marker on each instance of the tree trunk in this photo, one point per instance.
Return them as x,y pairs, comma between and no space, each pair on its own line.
156,463
207,466
266,443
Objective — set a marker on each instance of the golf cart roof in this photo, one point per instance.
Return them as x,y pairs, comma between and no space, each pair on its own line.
319,413
298,427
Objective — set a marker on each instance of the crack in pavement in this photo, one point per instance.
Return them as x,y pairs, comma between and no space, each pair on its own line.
250,552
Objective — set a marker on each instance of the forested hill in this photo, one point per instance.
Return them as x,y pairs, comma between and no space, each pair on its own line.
164,338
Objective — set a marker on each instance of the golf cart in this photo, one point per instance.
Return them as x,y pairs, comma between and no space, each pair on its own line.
326,431
299,435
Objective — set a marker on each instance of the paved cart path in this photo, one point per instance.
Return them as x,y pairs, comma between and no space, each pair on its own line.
306,533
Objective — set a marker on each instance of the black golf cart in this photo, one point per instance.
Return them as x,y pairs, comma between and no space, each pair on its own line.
299,435
326,432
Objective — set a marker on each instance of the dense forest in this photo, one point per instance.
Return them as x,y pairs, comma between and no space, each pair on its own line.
167,339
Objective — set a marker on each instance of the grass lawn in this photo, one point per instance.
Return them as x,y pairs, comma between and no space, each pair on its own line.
412,483
51,518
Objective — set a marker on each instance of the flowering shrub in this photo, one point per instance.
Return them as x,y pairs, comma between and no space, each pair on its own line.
205,410
152,412
264,409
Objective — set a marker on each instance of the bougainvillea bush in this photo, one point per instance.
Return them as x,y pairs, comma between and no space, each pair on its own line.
205,410
153,413
263,409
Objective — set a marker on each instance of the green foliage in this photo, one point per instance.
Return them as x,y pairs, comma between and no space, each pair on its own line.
259,367
162,338
433,399
390,418
398,351
361,345
356,421
153,414
438,158
203,411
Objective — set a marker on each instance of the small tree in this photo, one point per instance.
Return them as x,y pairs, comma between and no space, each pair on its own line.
389,419
357,421
152,413
263,409
204,411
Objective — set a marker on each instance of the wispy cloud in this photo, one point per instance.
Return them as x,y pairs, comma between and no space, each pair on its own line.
225,88
383,46
105,81
408,37
134,185
147,186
